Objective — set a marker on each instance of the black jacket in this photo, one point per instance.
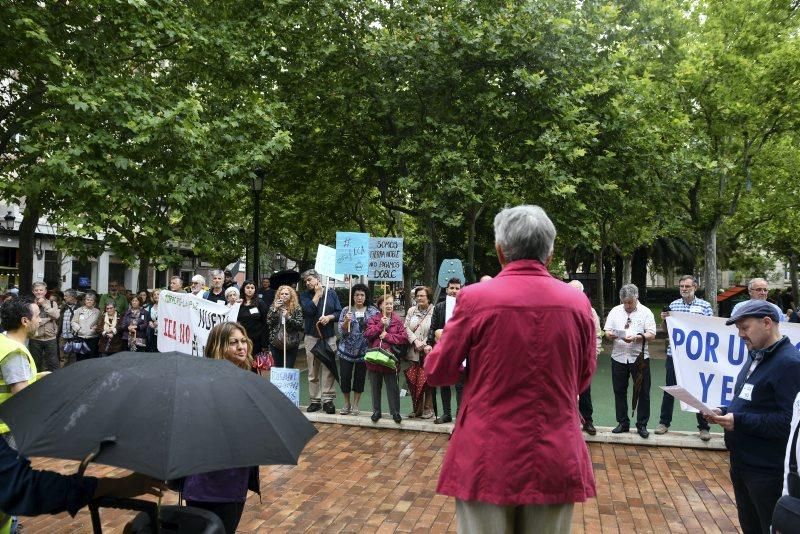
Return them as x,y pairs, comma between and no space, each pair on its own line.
761,424
437,321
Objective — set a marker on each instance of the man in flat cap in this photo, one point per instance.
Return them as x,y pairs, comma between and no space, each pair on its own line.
757,421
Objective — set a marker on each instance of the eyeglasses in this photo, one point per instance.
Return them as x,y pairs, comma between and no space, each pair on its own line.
760,289
628,323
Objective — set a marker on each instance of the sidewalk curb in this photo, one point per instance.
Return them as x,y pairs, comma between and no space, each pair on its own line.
685,440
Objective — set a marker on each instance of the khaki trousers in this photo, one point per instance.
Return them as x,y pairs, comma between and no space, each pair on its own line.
320,379
475,517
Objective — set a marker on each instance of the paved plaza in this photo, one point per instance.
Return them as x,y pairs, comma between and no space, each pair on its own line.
355,479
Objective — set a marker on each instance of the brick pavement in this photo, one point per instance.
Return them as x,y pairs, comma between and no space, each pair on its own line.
353,479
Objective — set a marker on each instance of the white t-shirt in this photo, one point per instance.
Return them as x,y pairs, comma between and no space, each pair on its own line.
789,451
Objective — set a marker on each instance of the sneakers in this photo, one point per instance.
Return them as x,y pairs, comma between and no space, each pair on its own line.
345,410
661,429
328,407
355,411
314,407
705,435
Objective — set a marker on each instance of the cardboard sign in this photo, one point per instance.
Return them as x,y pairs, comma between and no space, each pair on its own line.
352,253
288,381
386,259
326,263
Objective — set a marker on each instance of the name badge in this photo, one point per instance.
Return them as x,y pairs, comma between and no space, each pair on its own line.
253,311
747,392
695,309
359,314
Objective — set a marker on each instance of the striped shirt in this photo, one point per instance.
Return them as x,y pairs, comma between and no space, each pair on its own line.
698,306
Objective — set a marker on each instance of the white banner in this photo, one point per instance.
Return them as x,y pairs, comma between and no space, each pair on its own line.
709,355
185,320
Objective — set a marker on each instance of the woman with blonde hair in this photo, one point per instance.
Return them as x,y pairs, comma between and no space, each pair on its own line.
285,312
224,492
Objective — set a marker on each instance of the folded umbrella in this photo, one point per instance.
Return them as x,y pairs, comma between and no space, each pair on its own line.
416,380
165,415
322,351
639,365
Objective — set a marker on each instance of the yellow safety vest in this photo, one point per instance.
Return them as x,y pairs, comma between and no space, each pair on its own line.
7,346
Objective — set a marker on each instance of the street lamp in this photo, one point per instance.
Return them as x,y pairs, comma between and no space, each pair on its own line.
9,220
257,186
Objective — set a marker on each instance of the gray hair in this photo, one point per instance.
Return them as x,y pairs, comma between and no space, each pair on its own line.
577,284
524,233
628,291
199,278
754,280
309,272
231,290
687,277
38,284
70,293
216,272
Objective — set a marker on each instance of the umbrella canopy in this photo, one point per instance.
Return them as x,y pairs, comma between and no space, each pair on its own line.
165,415
284,278
640,364
416,379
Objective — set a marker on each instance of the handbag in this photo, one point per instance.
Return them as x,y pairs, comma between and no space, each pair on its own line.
786,516
293,339
382,357
263,362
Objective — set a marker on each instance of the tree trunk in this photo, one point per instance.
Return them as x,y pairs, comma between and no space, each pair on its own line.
793,277
27,235
471,276
710,252
429,252
600,296
144,264
627,261
639,271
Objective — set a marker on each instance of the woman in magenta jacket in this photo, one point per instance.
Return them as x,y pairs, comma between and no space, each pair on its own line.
385,330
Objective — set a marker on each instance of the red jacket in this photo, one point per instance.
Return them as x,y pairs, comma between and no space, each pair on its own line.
395,335
529,343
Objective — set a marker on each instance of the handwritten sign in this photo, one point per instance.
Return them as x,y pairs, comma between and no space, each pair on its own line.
288,381
386,259
185,320
326,263
352,253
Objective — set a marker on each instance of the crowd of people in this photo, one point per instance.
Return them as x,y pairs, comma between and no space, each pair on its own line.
523,480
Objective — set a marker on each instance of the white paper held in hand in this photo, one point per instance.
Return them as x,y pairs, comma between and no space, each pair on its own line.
684,396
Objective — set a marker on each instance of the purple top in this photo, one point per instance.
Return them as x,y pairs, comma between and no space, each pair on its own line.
226,485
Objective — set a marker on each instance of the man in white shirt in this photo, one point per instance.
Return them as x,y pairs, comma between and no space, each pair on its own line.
630,326
198,285
585,400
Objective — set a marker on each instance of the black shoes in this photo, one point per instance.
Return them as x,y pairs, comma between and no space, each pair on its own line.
643,432
620,429
314,407
397,418
444,418
589,428
328,407
375,416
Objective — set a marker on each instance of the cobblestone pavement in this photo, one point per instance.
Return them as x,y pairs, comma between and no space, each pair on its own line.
353,479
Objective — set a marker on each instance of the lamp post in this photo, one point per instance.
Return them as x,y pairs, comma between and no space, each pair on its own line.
9,221
257,185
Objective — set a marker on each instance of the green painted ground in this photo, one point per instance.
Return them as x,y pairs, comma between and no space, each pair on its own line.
602,395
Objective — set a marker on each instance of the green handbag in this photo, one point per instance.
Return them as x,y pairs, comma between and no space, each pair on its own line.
381,356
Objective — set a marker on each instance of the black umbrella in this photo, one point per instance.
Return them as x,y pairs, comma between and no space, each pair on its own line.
284,278
640,365
322,351
165,415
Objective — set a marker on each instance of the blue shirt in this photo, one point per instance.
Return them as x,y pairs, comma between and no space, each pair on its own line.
698,306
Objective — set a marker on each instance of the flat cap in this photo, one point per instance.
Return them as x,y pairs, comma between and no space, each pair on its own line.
755,308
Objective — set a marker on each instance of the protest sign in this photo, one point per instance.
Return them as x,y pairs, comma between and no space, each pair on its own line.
352,253
326,263
288,381
185,320
386,259
709,355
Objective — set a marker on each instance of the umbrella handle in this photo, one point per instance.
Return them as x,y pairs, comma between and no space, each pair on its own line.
94,453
